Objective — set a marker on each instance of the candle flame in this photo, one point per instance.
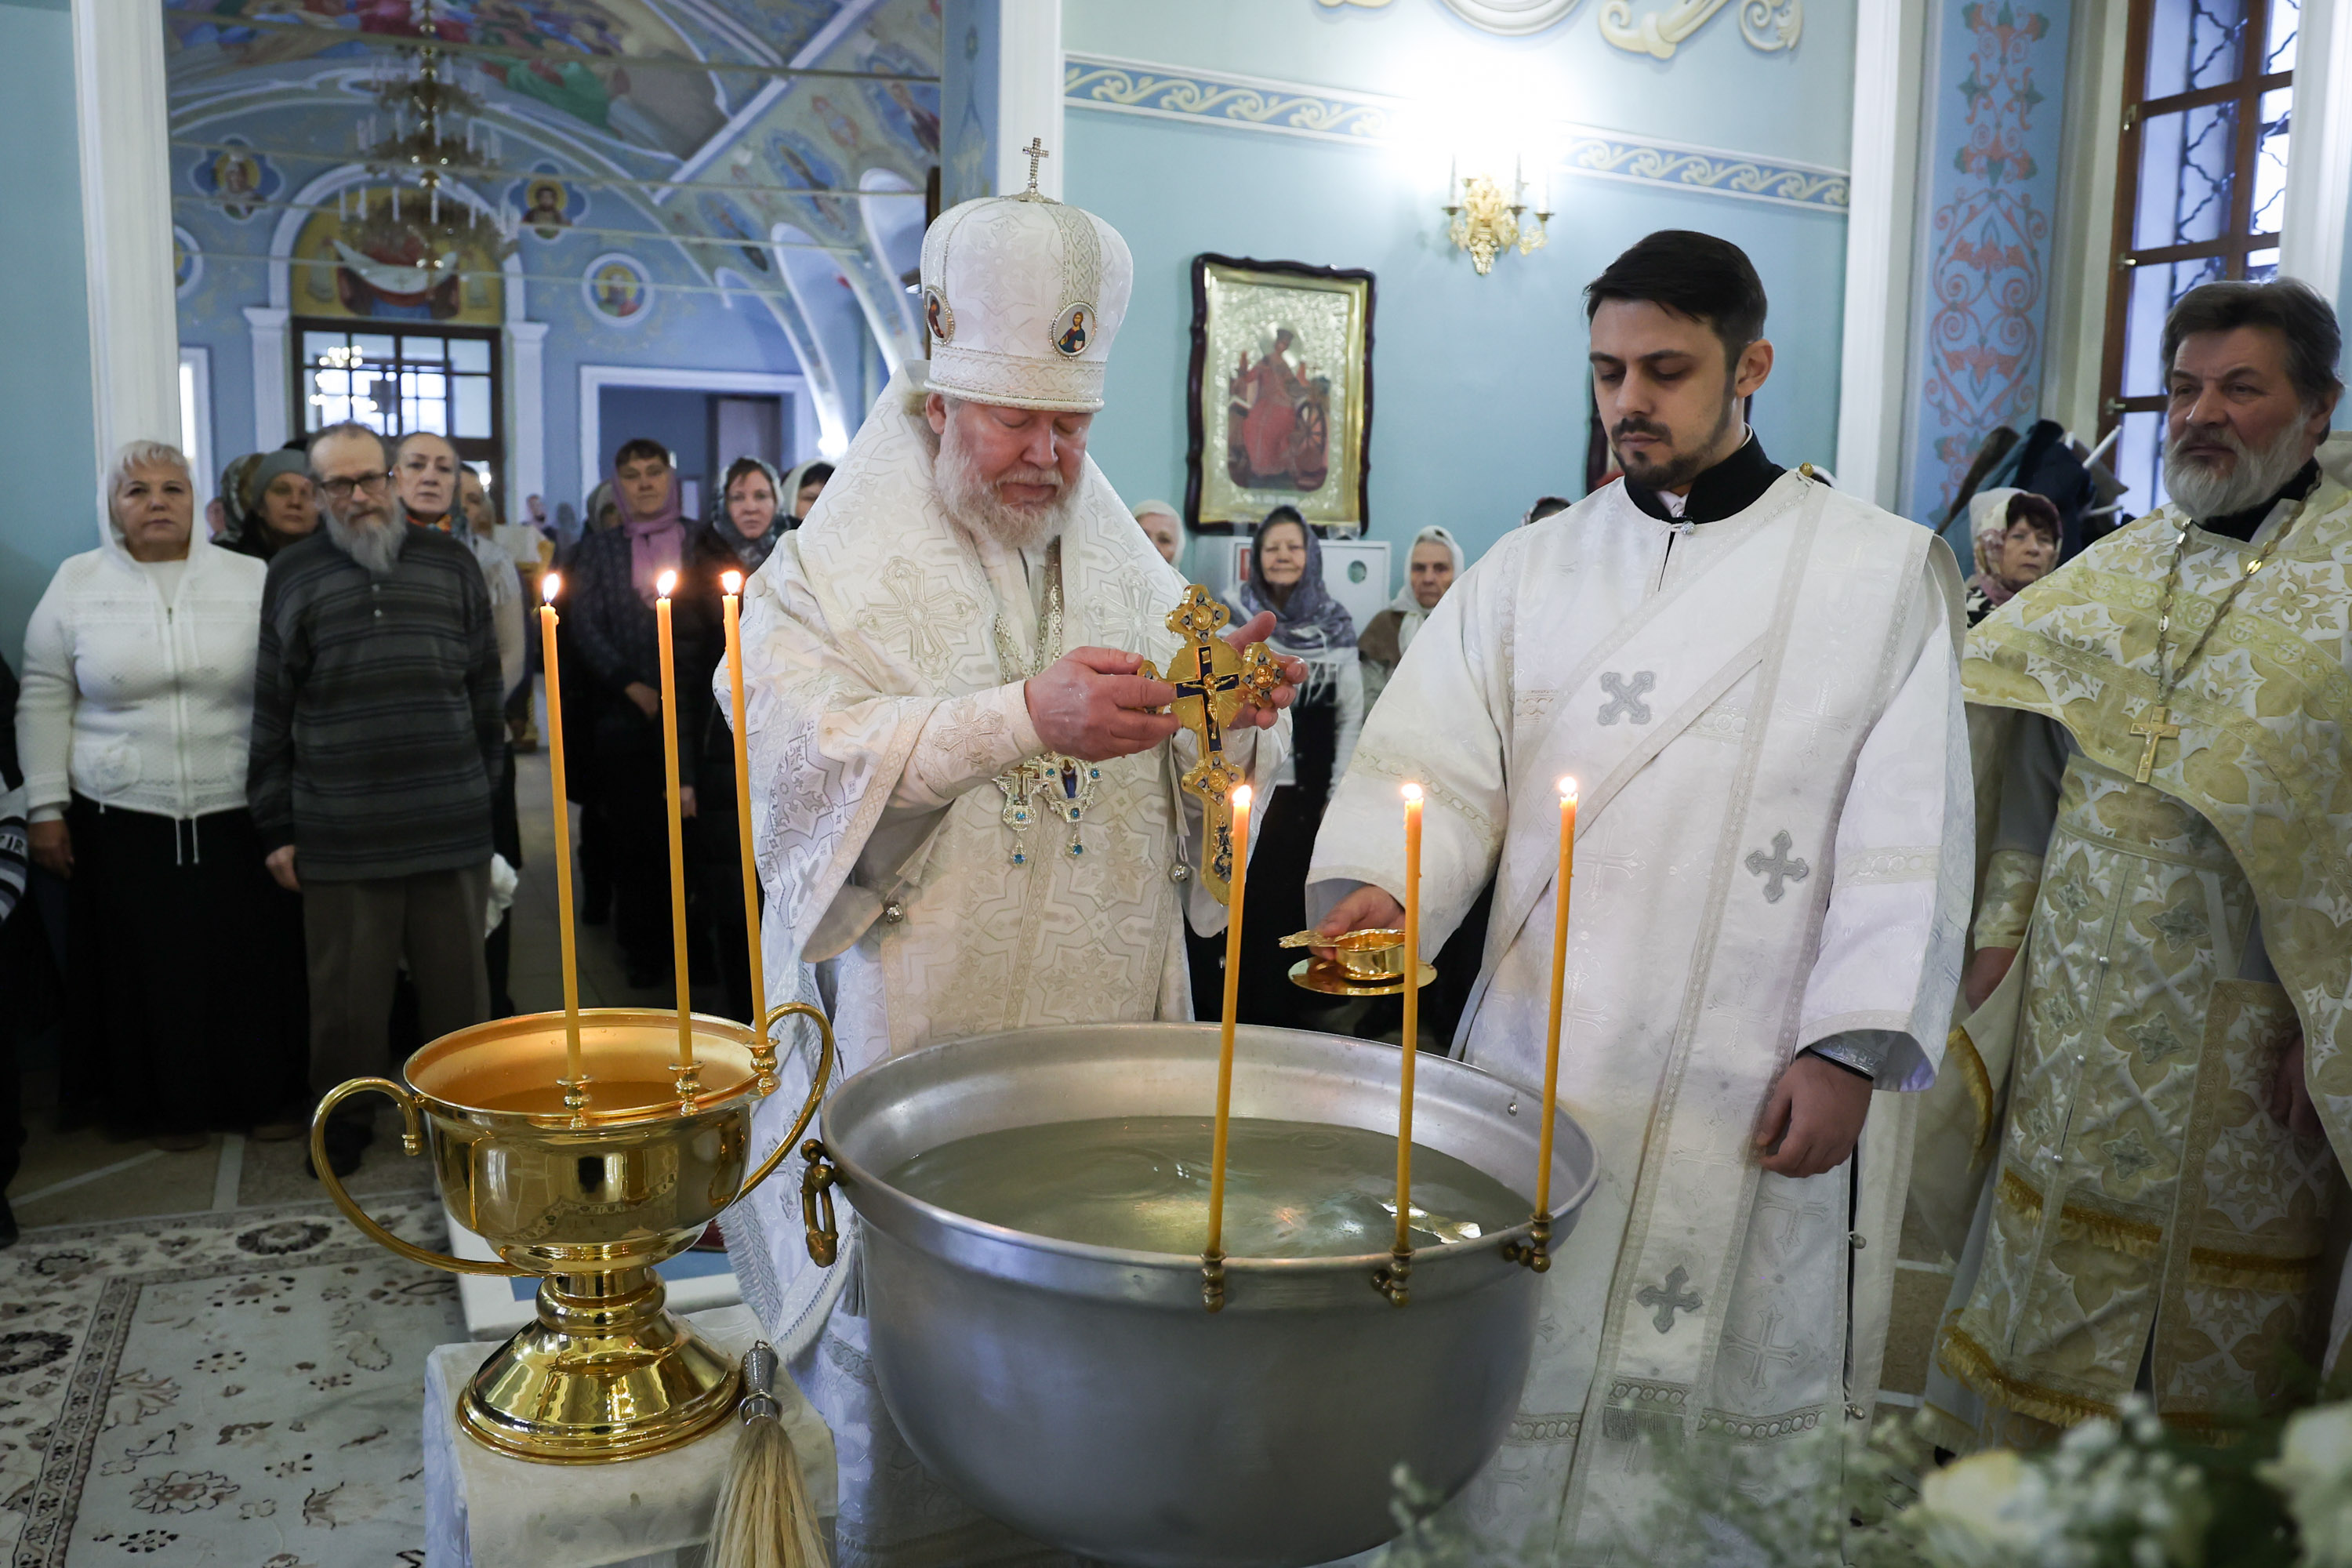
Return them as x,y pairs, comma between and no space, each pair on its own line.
1568,788
1240,797
732,582
549,587
665,583
1412,793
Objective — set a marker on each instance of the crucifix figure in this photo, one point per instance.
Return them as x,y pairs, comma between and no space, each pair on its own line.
1212,681
1035,151
2158,727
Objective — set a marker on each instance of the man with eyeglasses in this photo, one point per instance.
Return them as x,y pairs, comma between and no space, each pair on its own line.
378,739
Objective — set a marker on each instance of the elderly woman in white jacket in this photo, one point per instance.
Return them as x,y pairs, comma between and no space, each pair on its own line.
131,729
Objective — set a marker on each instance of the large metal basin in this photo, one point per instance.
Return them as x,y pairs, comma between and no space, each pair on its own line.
1082,1394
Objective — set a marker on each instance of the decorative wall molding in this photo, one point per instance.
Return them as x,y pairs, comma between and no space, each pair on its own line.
1114,86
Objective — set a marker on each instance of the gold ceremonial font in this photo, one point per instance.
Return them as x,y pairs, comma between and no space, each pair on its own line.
590,1200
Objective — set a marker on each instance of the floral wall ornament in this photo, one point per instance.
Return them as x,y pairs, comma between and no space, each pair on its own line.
1507,16
1768,25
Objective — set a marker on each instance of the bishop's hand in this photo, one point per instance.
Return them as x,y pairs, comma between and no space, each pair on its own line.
1091,704
1294,674
1366,909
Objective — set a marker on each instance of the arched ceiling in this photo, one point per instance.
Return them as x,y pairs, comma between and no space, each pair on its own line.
737,121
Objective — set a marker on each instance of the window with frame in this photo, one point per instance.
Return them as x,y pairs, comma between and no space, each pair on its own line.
2200,187
395,379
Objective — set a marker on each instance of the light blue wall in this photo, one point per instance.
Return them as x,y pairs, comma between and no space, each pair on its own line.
45,386
1479,399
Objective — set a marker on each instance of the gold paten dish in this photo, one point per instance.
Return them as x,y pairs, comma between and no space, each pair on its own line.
1370,957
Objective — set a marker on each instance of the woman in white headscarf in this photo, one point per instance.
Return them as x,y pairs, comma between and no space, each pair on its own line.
2016,534
1431,566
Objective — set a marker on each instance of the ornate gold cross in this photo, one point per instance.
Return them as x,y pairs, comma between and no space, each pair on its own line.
1211,683
2158,727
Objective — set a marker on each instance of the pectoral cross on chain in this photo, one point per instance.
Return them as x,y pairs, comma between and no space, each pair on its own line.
2157,728
1212,681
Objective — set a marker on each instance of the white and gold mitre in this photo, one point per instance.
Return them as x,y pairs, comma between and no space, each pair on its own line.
1022,296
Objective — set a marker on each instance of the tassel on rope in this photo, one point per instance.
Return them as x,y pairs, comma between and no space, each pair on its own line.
764,1519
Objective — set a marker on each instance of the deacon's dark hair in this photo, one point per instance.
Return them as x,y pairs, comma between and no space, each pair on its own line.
2292,310
641,448
1693,274
1545,505
2026,507
816,474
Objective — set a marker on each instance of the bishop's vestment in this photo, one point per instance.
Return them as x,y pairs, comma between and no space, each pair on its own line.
885,648
1774,849
2140,1217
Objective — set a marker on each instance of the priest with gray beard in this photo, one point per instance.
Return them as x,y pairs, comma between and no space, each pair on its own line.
963,792
2139,1147
378,738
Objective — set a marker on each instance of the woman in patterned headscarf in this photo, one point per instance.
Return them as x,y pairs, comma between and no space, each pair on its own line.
1286,577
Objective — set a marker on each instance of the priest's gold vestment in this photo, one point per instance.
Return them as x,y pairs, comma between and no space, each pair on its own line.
2141,1218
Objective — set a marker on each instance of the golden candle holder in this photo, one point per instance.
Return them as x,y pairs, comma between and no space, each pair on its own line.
590,1200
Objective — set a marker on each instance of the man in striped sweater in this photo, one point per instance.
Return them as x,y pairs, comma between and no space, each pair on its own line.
377,739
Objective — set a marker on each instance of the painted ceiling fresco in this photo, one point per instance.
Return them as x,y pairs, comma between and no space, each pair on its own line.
642,100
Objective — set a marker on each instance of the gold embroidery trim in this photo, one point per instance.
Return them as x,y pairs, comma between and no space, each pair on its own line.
1974,1366
2138,1238
2133,1238
1960,1049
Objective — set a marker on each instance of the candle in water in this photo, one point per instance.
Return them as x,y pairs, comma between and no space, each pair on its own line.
1558,993
1241,798
1412,1015
575,1079
732,582
663,586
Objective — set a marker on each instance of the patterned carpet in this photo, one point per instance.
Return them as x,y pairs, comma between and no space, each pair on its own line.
238,1388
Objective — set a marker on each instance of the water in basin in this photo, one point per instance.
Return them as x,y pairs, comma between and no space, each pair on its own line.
1293,1189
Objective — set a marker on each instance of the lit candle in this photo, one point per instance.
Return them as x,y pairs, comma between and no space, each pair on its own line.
732,602
575,1082
662,585
1559,1002
1214,1257
1411,1020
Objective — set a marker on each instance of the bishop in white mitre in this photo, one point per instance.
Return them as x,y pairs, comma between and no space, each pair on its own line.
966,814
1754,680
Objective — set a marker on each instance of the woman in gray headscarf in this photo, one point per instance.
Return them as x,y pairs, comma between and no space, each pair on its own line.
273,504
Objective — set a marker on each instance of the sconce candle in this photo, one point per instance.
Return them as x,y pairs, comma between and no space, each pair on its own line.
575,1082
688,1079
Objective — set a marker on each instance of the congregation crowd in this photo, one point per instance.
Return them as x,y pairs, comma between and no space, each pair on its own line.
339,656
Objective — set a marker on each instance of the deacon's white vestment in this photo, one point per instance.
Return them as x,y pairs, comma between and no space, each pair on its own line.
1773,849
885,648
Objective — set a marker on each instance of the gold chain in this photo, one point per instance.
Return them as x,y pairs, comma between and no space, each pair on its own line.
2167,674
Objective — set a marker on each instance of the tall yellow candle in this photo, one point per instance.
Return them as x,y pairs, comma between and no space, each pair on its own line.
733,605
1411,1017
1559,1002
662,585
575,1085
1214,1252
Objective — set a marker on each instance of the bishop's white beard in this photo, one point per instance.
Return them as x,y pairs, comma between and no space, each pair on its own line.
2253,478
374,545
974,502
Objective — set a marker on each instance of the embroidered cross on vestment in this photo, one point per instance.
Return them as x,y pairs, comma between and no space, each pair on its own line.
1676,1297
1212,681
1778,866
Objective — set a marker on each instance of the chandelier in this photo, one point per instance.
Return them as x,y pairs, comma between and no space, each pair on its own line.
431,126
1487,222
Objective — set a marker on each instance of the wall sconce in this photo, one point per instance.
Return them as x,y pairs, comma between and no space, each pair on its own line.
1487,221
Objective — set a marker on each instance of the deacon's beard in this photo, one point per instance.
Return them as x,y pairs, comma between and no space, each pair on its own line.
374,545
2256,476
1684,467
977,504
